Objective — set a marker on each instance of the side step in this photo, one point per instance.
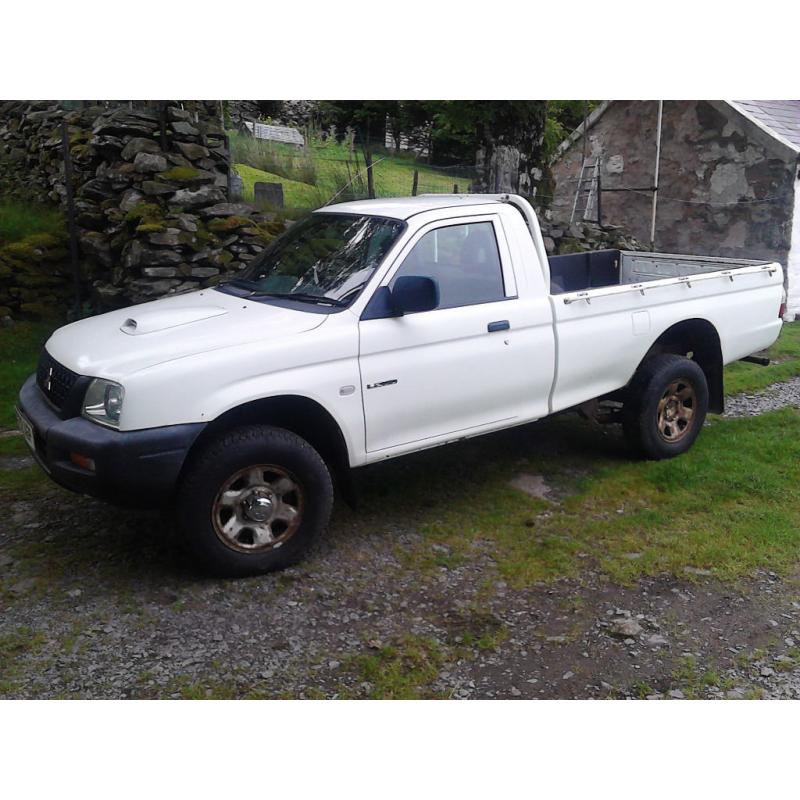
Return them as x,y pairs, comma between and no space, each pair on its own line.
760,360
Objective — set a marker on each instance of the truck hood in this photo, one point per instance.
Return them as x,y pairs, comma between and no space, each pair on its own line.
121,342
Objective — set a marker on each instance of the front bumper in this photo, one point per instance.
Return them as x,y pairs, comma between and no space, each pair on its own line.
138,468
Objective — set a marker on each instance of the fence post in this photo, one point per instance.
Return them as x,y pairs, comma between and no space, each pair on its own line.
73,230
455,188
415,183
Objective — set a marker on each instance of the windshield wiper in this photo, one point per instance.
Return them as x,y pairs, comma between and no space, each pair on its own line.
301,296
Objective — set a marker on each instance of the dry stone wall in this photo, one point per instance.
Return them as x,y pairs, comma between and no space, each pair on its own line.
151,192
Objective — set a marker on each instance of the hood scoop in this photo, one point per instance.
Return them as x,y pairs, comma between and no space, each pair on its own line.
162,319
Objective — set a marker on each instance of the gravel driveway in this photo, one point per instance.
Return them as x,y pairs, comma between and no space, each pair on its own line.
99,603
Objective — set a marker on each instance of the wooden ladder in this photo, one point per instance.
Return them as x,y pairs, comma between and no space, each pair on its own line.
586,191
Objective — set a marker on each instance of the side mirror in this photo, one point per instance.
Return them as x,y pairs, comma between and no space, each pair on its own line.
413,293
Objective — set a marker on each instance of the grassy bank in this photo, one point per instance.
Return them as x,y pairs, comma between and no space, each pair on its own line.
731,505
19,220
311,176
19,352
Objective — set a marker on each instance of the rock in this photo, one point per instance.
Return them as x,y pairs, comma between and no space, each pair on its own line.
657,640
187,222
139,145
124,121
533,485
130,199
106,295
5,561
697,571
95,245
516,692
159,258
160,272
132,254
168,238
567,675
146,288
193,198
228,210
149,162
184,129
624,627
192,151
204,272
154,188
74,593
676,694
766,672
97,189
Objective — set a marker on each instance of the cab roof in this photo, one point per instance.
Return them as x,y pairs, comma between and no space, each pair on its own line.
405,207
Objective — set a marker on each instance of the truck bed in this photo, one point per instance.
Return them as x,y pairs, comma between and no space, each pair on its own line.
604,268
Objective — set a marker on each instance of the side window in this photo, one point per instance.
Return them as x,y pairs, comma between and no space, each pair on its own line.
463,259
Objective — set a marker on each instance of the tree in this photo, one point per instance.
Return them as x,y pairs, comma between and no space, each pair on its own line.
503,136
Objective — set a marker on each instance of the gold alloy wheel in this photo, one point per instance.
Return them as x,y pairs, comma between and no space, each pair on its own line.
676,410
258,508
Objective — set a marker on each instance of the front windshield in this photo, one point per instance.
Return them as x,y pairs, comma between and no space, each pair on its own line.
326,258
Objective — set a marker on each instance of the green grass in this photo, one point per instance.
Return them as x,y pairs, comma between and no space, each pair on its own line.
732,504
399,671
741,377
19,220
313,175
19,351
295,193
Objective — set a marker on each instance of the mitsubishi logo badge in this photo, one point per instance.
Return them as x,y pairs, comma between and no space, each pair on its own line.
49,378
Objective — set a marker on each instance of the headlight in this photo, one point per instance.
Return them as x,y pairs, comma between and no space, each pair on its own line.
103,402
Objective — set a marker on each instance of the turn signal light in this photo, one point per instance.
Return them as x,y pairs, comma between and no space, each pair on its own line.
84,462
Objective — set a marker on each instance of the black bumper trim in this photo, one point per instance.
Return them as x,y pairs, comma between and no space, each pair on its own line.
138,468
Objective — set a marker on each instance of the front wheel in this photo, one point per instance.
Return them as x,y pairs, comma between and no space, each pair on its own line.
254,500
666,406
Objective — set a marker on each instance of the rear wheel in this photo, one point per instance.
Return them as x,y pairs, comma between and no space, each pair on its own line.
666,406
254,500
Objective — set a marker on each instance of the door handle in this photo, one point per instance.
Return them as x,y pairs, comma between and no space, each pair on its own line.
500,325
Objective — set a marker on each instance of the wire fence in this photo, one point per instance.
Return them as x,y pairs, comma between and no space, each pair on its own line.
326,171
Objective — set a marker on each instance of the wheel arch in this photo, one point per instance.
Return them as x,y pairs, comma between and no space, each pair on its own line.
699,340
296,413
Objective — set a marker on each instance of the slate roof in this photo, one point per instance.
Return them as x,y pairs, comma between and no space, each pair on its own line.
780,117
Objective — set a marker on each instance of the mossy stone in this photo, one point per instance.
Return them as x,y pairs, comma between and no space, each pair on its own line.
145,212
151,227
226,224
180,174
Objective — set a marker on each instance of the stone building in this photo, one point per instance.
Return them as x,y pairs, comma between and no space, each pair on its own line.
728,177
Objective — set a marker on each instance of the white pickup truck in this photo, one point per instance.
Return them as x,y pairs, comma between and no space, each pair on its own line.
370,330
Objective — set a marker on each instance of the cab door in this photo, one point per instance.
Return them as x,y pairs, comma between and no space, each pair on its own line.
482,359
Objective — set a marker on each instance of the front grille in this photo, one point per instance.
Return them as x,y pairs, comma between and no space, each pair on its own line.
54,379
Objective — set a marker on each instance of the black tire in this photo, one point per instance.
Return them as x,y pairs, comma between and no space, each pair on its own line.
278,456
652,397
